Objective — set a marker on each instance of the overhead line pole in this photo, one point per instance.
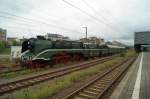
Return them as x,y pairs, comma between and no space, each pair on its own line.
85,32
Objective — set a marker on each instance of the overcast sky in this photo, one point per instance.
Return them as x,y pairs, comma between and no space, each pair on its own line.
109,19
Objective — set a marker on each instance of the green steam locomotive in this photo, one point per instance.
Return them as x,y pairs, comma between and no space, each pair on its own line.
37,52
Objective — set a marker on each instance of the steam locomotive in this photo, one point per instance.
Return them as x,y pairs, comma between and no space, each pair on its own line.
37,52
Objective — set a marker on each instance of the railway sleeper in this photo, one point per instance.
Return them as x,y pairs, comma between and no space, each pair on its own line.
4,88
31,81
84,95
78,97
111,76
102,85
12,86
98,90
87,94
103,82
96,86
19,85
34,79
90,92
40,78
46,77
25,83
94,89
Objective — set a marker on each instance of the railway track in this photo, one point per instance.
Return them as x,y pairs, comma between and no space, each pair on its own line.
2,68
15,85
96,88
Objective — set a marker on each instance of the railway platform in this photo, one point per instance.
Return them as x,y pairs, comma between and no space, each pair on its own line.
136,82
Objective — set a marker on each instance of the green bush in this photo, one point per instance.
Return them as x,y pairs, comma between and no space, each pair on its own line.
4,47
122,55
15,43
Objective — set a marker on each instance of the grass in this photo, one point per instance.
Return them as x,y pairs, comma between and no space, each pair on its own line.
5,51
24,72
68,80
30,71
14,74
6,62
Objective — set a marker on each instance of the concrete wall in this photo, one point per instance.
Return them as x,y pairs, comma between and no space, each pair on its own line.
15,52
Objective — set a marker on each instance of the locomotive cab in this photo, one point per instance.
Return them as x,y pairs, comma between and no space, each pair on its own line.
24,46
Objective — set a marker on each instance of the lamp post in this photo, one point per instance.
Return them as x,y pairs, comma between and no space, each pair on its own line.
85,32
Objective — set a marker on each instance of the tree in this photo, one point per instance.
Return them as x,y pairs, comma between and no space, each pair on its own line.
3,45
15,43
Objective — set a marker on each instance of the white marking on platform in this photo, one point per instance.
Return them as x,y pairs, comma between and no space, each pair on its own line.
136,91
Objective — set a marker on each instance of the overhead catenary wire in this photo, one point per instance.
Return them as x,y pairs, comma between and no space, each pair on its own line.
89,6
25,23
95,18
37,21
102,16
52,19
65,17
42,24
19,25
21,4
104,10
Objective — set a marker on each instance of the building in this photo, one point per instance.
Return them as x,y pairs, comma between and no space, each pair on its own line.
142,41
118,43
11,40
94,40
55,37
3,34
